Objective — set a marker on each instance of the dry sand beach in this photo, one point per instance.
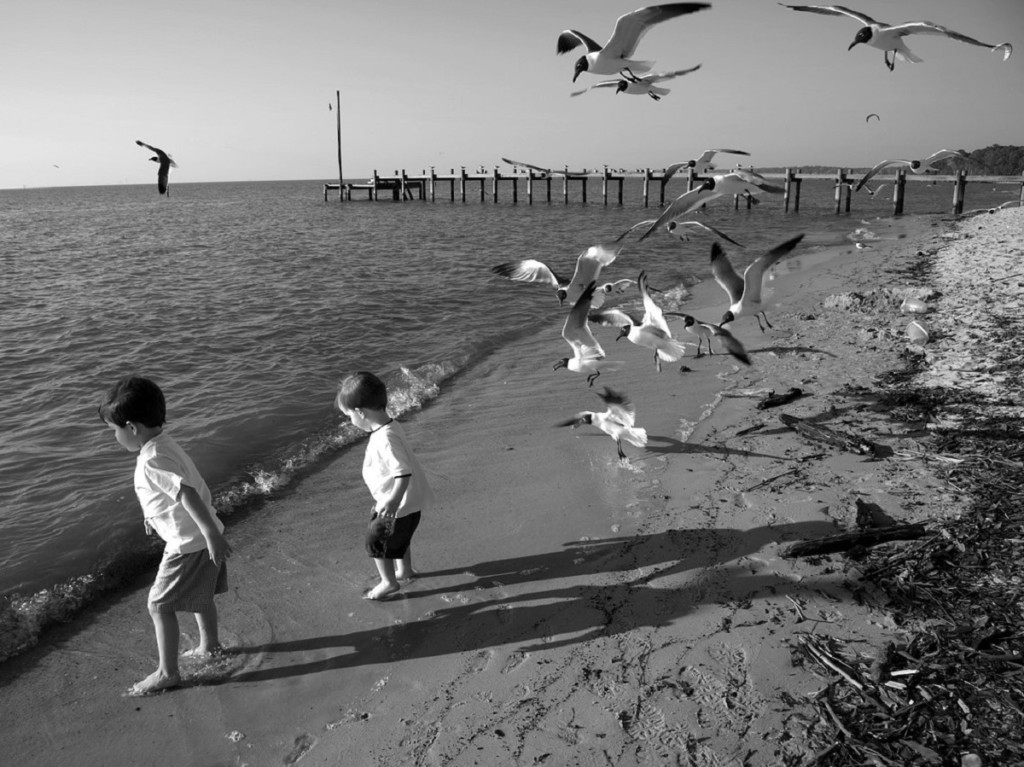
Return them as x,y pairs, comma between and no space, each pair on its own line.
572,609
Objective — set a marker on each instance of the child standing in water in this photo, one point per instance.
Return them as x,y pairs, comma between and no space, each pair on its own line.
394,477
177,505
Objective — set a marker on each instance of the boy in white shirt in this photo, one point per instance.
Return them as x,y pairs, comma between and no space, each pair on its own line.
394,477
177,505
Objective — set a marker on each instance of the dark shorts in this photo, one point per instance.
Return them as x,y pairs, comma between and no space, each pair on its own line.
380,545
186,583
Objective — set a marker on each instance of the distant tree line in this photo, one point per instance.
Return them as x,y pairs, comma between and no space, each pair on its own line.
995,160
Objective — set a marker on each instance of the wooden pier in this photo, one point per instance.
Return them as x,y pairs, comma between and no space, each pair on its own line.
494,184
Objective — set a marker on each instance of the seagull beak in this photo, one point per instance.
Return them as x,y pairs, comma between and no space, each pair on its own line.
852,44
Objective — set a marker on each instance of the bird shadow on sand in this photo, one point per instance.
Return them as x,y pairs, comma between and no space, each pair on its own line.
782,350
658,445
598,589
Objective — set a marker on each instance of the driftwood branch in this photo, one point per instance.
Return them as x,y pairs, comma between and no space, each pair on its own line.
818,433
846,541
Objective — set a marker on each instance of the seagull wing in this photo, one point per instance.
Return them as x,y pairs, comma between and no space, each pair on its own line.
653,316
753,275
619,406
834,10
576,331
646,222
588,267
729,342
931,28
757,181
943,154
881,166
527,165
707,228
160,153
661,76
613,318
529,270
724,273
570,39
619,286
631,27
602,84
682,205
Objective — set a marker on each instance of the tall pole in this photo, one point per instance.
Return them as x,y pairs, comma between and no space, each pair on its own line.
341,178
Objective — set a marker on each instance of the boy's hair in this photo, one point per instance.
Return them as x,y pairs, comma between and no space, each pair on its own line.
362,390
134,399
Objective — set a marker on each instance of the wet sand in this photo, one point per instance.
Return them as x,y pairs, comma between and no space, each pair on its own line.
571,608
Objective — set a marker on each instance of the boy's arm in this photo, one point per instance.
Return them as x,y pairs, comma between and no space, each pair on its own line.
388,506
216,543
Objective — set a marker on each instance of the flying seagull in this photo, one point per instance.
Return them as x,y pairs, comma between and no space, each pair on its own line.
166,163
588,266
737,182
914,166
650,331
675,227
889,37
705,331
587,354
646,85
629,28
617,421
868,118
745,292
701,165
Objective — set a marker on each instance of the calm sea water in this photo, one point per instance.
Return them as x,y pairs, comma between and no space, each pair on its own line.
247,302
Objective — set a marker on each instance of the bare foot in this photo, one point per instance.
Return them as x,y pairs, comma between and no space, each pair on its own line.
406,575
215,651
382,591
154,683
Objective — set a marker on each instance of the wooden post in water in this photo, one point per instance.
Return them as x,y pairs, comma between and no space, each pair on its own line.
547,181
462,183
341,178
374,191
565,186
899,189
690,178
515,189
529,187
604,185
842,190
433,181
647,184
585,180
959,184
494,183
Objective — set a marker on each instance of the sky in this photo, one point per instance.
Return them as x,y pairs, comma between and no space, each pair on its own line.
238,90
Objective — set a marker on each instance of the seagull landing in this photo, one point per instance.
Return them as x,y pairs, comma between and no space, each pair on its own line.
629,28
914,166
705,331
650,331
164,171
588,356
676,227
701,165
737,182
889,37
617,421
745,292
588,266
639,86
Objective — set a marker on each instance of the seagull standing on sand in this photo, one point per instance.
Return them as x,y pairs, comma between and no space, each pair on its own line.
737,182
914,166
701,165
650,331
645,85
617,421
164,171
745,292
705,331
588,356
629,28
889,37
588,267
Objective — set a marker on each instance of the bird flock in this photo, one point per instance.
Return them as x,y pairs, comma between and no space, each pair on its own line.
585,293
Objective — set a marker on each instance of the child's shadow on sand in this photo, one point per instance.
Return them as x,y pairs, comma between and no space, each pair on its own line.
539,619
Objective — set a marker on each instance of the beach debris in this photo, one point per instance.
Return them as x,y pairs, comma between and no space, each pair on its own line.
912,305
834,544
774,400
917,333
818,433
235,736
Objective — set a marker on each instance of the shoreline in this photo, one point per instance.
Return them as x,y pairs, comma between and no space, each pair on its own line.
579,605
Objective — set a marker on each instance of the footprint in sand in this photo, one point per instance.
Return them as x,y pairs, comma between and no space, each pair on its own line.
303,744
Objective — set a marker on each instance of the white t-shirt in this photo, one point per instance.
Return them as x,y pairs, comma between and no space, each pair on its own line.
160,470
388,458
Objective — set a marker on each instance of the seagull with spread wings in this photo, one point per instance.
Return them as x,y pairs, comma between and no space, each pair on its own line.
889,37
618,420
701,165
614,55
914,166
705,331
644,85
587,354
164,171
745,292
588,267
